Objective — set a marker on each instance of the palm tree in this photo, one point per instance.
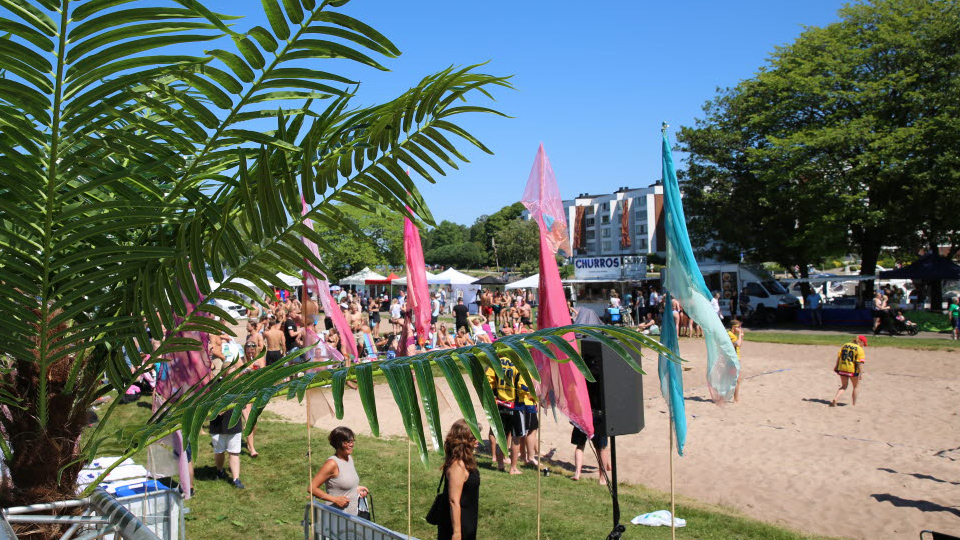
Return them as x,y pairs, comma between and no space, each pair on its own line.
129,169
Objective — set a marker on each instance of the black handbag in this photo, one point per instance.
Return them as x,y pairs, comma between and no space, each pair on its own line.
439,504
365,508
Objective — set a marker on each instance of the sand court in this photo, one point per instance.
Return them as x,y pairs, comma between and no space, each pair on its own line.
886,468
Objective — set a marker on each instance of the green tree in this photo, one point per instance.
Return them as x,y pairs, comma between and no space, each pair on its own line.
128,170
851,129
380,244
518,242
447,233
462,255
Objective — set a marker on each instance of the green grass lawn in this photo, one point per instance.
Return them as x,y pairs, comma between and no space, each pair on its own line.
798,338
272,505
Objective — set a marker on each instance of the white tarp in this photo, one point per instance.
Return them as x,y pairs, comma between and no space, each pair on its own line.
529,282
290,281
455,277
361,277
431,280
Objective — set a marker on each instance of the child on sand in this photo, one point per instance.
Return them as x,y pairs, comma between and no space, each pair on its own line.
736,337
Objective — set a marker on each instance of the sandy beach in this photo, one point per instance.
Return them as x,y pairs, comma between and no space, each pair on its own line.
887,468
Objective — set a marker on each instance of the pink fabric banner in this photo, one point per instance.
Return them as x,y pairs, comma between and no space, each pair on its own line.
321,287
178,373
418,293
561,384
543,201
184,369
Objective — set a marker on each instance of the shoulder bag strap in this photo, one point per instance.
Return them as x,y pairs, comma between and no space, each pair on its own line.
443,476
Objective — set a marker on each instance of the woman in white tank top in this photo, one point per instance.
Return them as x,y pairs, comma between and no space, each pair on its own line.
338,482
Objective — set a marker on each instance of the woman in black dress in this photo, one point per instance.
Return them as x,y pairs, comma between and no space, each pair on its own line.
462,486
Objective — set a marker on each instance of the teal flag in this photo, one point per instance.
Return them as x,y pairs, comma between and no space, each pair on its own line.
684,282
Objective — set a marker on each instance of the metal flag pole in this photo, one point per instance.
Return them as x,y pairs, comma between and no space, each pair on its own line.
673,509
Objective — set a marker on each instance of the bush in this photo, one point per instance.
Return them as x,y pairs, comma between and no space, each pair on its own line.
929,321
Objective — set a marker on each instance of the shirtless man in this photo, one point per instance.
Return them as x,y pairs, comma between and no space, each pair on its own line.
355,321
215,349
310,311
253,313
525,316
255,338
274,338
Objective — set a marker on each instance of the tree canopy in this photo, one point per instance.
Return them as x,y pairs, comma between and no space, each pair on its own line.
844,140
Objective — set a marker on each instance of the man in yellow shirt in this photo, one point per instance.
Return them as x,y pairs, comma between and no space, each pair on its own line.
505,392
849,367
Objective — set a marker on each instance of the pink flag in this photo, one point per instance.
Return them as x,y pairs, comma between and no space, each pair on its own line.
418,295
180,372
184,369
542,199
321,287
561,384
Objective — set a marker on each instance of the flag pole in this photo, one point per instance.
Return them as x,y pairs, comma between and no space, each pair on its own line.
313,530
673,509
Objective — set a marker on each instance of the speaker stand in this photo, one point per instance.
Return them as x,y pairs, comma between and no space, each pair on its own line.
618,529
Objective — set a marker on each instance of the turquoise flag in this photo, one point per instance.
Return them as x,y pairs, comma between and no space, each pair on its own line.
684,282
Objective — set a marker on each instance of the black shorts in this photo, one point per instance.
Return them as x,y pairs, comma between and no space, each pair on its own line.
512,421
273,357
374,318
579,438
433,319
525,321
530,422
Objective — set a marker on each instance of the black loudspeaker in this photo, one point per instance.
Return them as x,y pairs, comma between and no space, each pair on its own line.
617,396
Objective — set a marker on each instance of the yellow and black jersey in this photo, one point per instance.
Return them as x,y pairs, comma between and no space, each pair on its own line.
505,390
849,359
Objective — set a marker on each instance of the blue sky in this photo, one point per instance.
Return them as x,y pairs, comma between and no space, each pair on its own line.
594,81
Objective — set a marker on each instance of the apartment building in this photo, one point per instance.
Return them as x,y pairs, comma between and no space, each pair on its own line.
626,222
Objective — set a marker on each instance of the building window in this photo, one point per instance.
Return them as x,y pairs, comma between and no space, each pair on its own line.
606,246
641,201
591,235
605,219
606,206
640,215
642,244
641,229
590,221
606,233
591,246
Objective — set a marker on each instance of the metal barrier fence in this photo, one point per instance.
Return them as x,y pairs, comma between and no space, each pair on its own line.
331,523
157,515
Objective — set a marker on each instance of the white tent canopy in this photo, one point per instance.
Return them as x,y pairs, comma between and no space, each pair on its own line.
462,287
455,277
361,277
529,282
290,281
431,280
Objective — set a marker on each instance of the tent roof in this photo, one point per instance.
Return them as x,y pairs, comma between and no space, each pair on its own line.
290,281
529,282
490,280
931,266
403,280
361,277
385,281
456,277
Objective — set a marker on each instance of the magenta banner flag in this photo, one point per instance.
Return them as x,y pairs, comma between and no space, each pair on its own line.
184,369
418,293
561,384
315,281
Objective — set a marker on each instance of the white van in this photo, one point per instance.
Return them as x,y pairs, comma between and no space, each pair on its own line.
767,296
